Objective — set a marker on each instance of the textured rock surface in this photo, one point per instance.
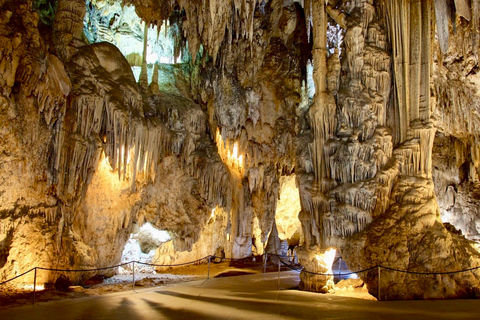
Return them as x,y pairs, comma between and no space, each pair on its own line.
455,152
224,149
379,141
407,237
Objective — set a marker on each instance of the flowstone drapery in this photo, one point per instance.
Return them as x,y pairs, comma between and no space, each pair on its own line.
377,134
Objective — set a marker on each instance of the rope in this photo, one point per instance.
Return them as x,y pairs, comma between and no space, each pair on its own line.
280,256
99,269
85,270
325,274
173,265
302,269
336,274
17,276
430,273
289,266
231,259
387,268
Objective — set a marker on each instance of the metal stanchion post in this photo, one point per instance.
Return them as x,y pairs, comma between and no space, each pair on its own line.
278,281
208,272
133,275
339,268
265,256
378,284
34,283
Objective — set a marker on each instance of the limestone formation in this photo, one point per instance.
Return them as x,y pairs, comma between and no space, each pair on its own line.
241,127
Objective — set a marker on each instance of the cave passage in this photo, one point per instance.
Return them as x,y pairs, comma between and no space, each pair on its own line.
338,135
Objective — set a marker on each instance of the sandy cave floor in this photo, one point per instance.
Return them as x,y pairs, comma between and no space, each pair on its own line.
269,296
11,296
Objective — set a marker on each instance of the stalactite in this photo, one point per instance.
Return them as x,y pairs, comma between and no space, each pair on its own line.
425,132
68,27
322,112
143,81
308,16
452,99
426,60
397,30
52,91
442,15
333,72
135,145
410,34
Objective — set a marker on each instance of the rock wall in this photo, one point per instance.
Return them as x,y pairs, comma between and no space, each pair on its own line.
111,154
455,152
376,134
34,86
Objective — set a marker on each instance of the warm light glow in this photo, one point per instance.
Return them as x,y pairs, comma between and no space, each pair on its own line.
235,150
108,175
104,164
326,259
212,215
232,158
228,236
288,207
38,287
129,154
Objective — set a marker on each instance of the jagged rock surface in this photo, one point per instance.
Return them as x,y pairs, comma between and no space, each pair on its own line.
455,151
393,241
113,153
367,141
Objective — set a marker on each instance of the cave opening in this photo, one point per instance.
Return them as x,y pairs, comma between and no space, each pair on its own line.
141,246
151,48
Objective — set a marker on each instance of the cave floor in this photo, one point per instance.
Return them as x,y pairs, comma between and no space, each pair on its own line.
12,296
256,296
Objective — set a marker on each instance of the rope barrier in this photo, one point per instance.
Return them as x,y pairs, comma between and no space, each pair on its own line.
103,268
231,259
17,276
336,274
281,256
212,257
388,268
374,267
173,265
85,270
430,273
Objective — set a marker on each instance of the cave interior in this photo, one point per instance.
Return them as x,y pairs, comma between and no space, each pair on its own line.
171,130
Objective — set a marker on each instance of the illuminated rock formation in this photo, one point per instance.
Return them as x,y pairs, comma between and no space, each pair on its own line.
243,127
